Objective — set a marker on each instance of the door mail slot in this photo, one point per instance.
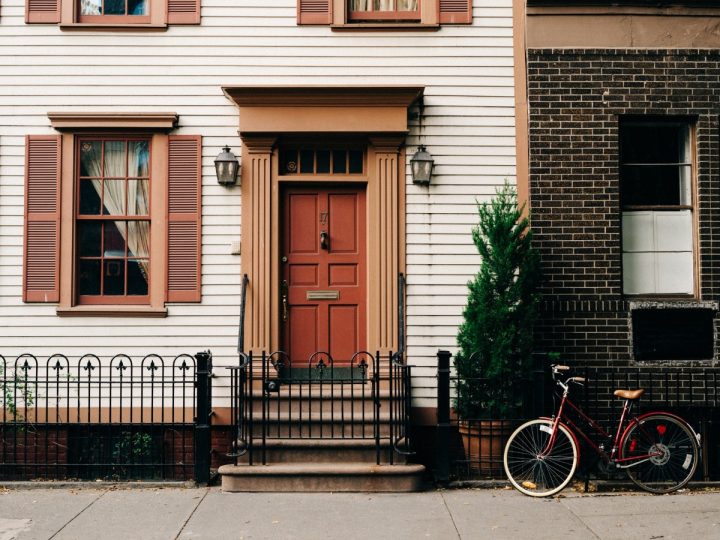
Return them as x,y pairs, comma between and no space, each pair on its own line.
323,295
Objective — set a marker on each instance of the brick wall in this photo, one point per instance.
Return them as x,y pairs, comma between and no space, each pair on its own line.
576,98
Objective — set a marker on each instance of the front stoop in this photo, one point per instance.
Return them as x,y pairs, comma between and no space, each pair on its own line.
322,477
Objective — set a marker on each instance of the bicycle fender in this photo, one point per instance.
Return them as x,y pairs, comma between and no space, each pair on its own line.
640,418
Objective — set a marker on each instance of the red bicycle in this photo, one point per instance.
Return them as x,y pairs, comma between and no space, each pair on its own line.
658,450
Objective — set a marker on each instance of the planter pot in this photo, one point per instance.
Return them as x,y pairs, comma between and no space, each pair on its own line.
484,443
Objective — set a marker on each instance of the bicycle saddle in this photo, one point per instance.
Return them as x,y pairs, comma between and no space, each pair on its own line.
629,394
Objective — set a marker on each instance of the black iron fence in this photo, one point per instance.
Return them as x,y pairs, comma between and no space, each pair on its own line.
365,397
117,419
472,449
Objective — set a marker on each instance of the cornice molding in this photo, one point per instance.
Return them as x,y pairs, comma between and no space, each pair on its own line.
74,121
324,96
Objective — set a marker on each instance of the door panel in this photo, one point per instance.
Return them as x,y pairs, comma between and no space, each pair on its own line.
303,274
303,225
302,328
343,219
323,272
343,274
343,331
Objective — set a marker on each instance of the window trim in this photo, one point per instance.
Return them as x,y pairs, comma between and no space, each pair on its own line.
69,299
125,299
429,17
75,126
389,15
691,124
157,18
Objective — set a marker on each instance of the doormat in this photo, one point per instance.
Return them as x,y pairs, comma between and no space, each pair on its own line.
315,375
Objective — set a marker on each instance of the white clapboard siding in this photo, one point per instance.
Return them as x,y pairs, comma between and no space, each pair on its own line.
468,126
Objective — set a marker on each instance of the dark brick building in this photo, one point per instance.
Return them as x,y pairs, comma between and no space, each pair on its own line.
624,184
578,101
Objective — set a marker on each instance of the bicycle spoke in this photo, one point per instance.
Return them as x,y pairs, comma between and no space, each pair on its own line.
534,468
672,449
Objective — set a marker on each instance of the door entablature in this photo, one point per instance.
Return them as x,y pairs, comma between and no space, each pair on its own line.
377,115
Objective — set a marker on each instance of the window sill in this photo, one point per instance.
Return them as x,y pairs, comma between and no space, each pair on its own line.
111,311
688,302
146,27
392,26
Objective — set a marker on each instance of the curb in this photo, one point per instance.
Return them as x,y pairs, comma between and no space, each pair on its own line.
42,484
595,486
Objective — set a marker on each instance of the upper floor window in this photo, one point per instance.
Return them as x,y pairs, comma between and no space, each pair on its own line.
156,14
131,11
384,13
656,172
383,10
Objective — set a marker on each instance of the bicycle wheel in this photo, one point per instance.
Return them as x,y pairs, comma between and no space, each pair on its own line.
673,451
531,472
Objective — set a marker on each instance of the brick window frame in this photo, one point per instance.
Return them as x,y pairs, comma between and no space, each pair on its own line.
432,14
175,212
645,225
66,13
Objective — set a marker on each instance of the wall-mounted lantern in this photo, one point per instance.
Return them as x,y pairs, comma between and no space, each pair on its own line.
226,167
422,165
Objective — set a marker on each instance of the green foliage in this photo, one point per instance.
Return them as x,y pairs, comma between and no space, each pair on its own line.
495,339
132,448
16,393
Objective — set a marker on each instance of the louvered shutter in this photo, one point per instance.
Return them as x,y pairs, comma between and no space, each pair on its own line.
42,11
184,215
41,248
314,12
183,11
455,11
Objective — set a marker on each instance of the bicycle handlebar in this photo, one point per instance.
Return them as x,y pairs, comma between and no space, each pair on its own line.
558,368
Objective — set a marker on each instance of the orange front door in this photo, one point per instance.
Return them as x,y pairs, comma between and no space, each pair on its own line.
323,281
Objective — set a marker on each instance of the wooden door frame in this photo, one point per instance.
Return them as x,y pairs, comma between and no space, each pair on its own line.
376,114
385,222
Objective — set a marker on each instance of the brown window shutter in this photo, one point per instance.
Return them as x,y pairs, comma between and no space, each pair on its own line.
41,250
314,12
184,218
42,11
183,11
455,11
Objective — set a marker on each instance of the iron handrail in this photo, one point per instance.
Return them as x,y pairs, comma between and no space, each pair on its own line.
241,328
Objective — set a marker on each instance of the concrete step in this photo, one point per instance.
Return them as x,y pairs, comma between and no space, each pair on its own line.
322,451
337,405
317,387
322,477
319,426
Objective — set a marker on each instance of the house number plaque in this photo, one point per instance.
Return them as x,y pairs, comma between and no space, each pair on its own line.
323,295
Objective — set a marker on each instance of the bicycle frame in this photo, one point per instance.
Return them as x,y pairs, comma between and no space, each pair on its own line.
614,456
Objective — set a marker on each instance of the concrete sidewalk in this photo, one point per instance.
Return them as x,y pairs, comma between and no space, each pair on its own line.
185,513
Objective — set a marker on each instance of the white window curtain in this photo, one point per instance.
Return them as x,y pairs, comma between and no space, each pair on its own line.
137,234
383,5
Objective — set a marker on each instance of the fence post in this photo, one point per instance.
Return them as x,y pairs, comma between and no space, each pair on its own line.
202,418
539,384
442,450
